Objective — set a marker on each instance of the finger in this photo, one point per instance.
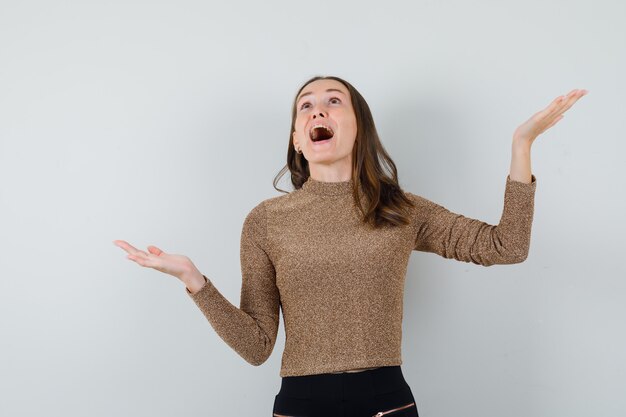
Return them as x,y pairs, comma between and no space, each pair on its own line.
138,259
143,255
572,99
142,259
126,246
551,109
571,93
154,250
554,112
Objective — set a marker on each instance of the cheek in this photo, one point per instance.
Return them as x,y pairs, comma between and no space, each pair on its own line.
350,119
299,125
352,124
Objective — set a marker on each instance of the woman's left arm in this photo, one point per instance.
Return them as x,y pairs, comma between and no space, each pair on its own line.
526,133
453,235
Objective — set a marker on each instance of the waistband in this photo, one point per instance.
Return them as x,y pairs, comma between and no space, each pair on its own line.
386,379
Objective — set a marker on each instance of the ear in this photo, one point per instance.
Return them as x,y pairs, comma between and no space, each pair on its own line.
295,142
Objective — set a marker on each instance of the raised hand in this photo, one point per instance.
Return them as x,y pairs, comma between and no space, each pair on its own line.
546,118
179,266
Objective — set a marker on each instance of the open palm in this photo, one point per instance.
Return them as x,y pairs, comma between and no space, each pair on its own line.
176,265
548,117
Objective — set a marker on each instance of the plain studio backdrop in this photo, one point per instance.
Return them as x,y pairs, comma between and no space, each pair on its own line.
165,122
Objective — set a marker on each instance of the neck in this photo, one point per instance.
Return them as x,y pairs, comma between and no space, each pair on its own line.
331,188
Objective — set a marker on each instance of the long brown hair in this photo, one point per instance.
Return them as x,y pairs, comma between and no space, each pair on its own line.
386,202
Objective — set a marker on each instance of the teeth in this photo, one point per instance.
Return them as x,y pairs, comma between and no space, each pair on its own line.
323,125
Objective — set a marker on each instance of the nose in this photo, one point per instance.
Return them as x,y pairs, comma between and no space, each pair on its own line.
319,114
319,111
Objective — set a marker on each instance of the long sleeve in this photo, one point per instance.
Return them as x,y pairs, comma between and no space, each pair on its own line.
455,236
252,328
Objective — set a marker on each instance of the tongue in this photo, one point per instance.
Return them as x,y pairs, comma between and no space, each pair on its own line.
320,134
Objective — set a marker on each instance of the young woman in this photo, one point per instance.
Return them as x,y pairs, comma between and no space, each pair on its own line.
333,255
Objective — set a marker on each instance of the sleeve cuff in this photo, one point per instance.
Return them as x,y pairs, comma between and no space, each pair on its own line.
206,282
533,181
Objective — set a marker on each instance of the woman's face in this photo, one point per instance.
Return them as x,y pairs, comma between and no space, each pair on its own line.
317,106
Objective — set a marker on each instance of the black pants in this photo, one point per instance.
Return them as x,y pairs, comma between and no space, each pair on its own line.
358,394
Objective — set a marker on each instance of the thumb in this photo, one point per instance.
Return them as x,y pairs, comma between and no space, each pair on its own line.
154,250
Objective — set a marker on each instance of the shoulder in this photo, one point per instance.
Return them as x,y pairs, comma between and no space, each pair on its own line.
419,201
412,196
423,208
269,205
279,205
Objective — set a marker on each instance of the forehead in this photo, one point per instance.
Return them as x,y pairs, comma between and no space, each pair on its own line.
320,86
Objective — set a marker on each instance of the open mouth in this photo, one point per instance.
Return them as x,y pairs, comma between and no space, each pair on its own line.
320,133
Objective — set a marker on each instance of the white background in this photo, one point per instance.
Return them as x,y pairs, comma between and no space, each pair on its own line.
165,122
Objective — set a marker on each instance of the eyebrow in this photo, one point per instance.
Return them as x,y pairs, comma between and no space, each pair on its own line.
330,89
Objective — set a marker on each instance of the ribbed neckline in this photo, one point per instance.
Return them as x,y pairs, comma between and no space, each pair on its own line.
328,188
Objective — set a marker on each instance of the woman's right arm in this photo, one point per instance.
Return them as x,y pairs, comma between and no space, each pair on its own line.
250,329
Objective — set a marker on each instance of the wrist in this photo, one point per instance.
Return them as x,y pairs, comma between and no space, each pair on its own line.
191,277
196,284
521,145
